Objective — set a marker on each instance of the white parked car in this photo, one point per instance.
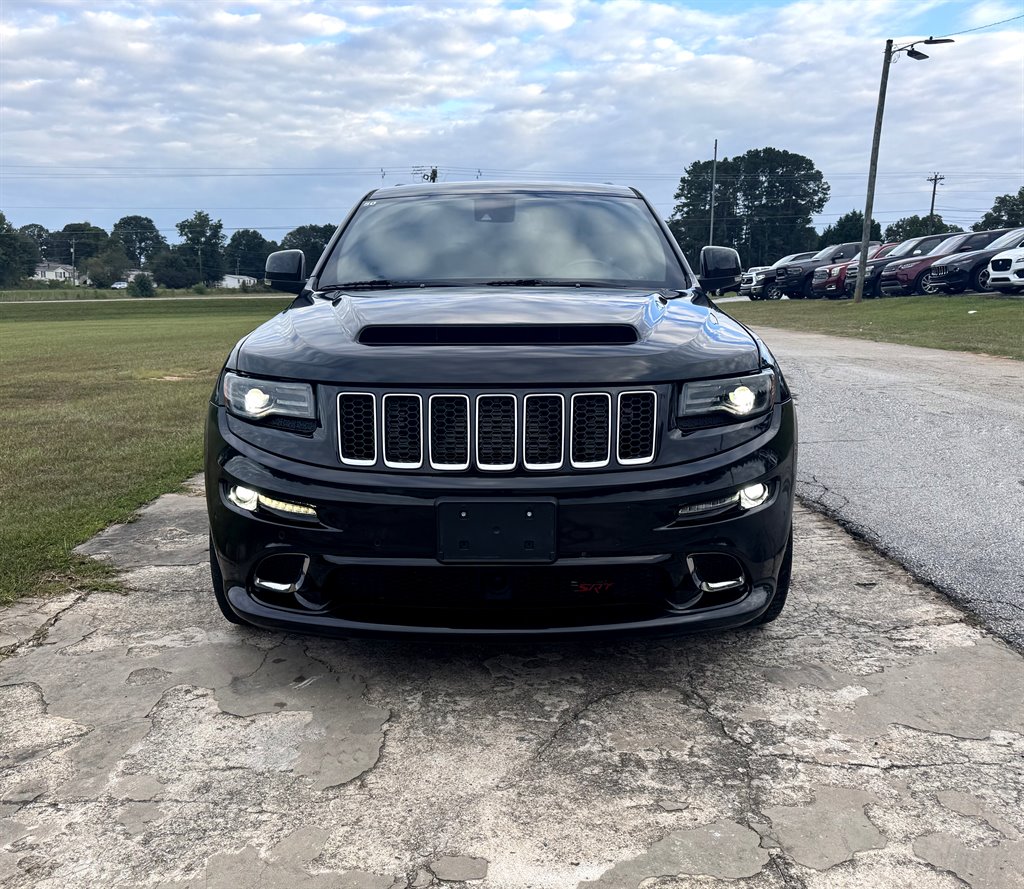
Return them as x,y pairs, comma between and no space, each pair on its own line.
750,277
119,285
1006,271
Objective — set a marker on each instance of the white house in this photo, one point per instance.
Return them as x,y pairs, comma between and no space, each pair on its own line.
53,271
236,282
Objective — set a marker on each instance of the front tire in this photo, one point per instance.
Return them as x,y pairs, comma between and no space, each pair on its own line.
781,588
924,286
979,281
217,576
772,292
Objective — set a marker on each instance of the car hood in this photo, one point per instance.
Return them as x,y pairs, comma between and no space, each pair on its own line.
970,257
318,339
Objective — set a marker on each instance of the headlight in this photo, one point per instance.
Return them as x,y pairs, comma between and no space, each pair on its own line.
760,277
255,399
743,397
832,272
1019,261
903,265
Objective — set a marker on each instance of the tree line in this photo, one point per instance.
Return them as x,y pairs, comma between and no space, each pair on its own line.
765,200
204,254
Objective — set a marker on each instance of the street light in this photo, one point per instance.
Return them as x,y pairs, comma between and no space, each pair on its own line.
865,240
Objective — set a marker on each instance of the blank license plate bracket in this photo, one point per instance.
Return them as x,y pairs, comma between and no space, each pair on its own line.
512,530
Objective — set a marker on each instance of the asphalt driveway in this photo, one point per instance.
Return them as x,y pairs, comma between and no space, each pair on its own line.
920,451
872,737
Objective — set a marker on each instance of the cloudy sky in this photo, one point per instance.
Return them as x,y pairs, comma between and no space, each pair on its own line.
271,114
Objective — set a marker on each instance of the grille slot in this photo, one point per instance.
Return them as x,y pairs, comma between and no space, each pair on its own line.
357,423
591,430
499,432
544,432
403,431
1000,265
496,429
449,431
637,417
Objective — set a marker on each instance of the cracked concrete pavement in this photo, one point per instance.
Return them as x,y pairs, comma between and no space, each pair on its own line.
872,737
918,450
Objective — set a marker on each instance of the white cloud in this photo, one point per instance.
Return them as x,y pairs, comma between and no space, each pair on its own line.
623,90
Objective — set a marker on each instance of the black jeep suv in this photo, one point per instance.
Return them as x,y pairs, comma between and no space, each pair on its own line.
796,279
500,409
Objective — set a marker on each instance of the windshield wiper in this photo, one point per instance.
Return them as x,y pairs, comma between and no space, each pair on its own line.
379,283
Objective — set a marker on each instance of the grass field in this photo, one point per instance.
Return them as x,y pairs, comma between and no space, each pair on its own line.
42,294
985,324
102,408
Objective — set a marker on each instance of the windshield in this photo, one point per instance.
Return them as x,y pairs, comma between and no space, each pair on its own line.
947,245
1010,239
512,238
917,246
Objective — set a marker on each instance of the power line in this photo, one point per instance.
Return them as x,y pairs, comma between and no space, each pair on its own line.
983,27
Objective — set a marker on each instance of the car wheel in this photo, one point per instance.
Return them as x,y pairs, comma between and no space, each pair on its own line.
979,281
217,576
781,589
807,289
924,285
772,292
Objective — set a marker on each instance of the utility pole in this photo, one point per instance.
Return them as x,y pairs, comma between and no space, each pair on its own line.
934,179
714,173
865,237
912,52
74,268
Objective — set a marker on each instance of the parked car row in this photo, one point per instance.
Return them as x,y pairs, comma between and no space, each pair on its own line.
947,262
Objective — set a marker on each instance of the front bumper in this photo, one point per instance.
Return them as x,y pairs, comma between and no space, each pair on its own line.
624,562
954,281
896,284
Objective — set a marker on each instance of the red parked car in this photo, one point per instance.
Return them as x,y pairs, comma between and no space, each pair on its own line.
830,280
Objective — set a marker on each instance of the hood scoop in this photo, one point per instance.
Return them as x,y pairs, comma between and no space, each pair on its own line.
497,335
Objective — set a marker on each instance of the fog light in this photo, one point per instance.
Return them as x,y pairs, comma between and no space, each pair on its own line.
246,498
285,506
692,509
753,495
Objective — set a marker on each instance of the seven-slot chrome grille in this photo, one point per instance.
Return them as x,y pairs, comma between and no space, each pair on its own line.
536,431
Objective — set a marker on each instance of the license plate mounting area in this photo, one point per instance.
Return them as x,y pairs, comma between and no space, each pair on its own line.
508,530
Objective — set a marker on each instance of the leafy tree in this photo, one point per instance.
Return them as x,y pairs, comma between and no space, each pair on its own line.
109,265
1006,212
18,254
204,238
764,201
848,227
141,285
76,242
38,233
247,251
175,267
310,239
917,226
139,236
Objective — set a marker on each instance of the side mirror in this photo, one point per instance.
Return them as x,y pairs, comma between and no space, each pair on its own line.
719,268
286,270
838,256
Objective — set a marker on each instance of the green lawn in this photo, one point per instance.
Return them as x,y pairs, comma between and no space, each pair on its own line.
986,324
43,294
102,406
